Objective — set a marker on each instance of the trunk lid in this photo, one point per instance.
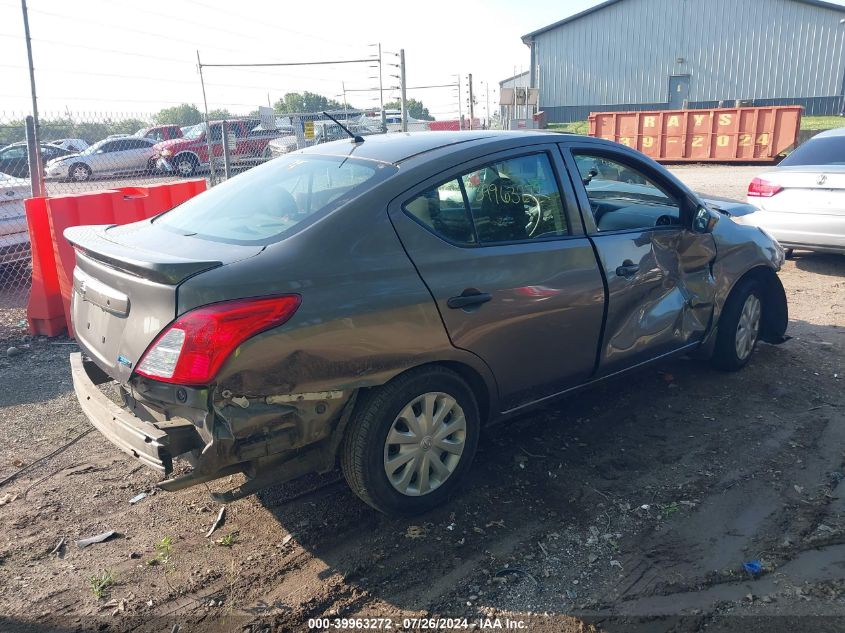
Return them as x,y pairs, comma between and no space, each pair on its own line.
807,189
125,286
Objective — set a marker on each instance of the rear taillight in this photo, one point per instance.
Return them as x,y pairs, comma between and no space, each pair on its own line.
191,350
760,188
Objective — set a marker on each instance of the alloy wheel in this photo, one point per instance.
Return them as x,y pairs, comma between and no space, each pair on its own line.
748,327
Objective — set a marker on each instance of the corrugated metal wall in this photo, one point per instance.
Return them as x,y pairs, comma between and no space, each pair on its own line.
732,49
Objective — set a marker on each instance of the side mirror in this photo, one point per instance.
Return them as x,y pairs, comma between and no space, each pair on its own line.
704,220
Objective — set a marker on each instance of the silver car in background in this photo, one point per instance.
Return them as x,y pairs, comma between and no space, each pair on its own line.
14,238
109,157
801,202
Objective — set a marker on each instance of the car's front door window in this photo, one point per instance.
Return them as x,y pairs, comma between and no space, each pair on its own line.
622,197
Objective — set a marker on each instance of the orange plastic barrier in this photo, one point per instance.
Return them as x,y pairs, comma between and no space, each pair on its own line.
44,312
53,258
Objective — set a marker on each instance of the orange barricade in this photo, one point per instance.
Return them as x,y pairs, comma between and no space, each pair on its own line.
53,258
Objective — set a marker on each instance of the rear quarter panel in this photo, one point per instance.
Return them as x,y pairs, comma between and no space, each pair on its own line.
365,314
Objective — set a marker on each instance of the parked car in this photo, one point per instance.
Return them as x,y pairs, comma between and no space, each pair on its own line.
377,303
109,157
70,144
14,158
187,155
801,201
160,133
14,238
324,132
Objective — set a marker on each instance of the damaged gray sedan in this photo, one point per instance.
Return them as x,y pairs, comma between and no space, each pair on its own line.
376,303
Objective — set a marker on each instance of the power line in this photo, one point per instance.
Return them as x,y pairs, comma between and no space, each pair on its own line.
129,29
263,64
152,78
274,26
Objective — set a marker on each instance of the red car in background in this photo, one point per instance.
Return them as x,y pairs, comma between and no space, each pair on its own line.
187,155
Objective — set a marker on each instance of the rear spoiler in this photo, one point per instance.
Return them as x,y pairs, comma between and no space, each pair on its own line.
168,269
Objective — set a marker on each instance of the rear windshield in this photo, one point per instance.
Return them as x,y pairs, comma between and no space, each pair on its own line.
275,200
818,151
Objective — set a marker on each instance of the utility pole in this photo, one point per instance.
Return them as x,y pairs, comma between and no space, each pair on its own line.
403,85
207,124
487,94
381,92
471,107
343,86
36,172
460,108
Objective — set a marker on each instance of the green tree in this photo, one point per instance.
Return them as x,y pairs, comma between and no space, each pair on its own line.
305,102
219,114
185,114
416,109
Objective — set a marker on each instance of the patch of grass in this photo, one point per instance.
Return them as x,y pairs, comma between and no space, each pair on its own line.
821,122
576,127
229,540
100,584
164,548
667,510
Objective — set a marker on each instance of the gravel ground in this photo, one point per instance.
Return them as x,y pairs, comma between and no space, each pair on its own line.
631,507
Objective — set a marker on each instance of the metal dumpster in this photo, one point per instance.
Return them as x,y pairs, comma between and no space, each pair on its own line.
718,135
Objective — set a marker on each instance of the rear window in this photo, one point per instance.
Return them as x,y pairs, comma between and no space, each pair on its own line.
275,200
818,151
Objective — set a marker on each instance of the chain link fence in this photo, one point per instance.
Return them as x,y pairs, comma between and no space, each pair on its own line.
90,151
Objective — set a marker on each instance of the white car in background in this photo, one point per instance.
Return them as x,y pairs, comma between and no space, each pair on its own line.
109,157
801,202
70,144
14,237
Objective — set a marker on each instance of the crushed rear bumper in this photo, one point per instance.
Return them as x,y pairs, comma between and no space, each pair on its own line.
130,434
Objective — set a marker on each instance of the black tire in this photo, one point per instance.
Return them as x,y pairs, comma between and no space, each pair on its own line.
789,253
725,355
363,451
79,172
185,165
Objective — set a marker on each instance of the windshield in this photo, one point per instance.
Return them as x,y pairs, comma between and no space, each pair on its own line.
194,131
274,200
818,151
91,149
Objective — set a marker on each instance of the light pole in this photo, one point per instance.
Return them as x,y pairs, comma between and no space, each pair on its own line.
36,173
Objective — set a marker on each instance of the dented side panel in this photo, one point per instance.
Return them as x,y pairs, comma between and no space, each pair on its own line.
663,306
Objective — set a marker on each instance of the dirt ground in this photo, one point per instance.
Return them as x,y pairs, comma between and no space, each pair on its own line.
632,507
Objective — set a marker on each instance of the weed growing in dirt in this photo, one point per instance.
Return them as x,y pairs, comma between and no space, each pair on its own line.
229,540
667,510
164,549
100,583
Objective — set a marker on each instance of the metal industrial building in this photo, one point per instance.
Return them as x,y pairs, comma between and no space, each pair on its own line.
659,54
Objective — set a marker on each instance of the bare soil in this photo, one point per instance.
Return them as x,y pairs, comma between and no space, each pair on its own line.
631,507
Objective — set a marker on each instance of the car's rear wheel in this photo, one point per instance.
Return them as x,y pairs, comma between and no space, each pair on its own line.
79,172
186,165
739,326
410,442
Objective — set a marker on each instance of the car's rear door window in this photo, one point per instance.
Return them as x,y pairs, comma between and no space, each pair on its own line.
274,200
509,200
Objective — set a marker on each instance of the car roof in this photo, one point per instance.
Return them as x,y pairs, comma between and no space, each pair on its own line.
839,131
397,147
